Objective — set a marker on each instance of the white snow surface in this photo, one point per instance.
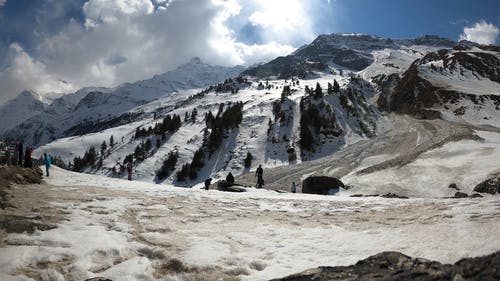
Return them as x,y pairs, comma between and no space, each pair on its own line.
128,229
465,163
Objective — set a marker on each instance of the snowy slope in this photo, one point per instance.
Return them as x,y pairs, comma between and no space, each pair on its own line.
268,147
26,105
349,52
125,230
460,84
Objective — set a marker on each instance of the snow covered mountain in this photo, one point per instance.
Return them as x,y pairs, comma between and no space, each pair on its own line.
92,109
461,83
26,105
330,108
343,51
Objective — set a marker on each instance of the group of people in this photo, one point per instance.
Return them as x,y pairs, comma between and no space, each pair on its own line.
22,157
259,173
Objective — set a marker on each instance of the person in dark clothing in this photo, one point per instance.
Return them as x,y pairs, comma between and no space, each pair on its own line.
16,153
259,173
207,183
129,170
47,161
27,158
20,150
230,178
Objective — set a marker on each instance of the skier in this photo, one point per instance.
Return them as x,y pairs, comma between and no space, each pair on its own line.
230,178
260,179
294,188
47,160
129,170
207,183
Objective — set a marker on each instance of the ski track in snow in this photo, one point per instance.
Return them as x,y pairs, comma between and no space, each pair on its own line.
131,231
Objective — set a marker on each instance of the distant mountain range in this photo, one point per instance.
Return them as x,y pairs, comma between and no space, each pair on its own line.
342,93
34,120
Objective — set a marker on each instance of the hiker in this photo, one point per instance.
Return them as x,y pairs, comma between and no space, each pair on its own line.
20,153
27,158
207,183
294,188
260,179
47,160
230,178
129,170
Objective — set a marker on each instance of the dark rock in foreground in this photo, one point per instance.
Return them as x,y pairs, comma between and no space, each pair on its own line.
229,187
396,266
321,185
460,195
490,186
393,195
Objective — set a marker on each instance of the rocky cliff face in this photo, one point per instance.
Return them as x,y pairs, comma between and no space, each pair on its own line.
454,81
348,51
396,266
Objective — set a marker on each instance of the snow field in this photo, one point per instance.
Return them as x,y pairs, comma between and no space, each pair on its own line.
466,163
126,230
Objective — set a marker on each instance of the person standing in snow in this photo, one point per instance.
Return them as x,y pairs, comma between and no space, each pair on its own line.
207,183
47,161
129,170
20,153
16,153
27,158
259,173
294,188
230,178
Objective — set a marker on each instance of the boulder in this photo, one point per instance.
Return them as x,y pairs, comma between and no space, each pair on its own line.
454,186
321,185
229,186
396,266
491,186
460,195
393,195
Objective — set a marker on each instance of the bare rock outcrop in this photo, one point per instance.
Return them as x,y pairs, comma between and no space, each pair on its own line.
392,266
491,186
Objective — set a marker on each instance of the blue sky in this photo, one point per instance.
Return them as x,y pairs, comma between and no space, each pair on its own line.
60,45
409,19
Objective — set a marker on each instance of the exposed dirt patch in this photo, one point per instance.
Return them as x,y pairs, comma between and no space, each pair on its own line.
15,174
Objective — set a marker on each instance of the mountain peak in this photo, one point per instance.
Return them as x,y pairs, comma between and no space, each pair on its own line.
29,93
195,60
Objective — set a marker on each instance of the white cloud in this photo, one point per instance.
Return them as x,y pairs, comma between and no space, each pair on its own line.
2,2
28,73
283,20
102,11
128,40
481,32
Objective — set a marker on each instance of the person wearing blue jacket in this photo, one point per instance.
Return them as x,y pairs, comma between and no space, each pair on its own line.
47,160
